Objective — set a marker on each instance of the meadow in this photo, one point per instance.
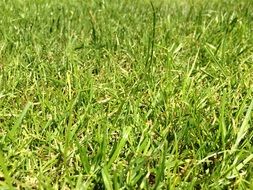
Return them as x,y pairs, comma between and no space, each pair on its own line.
118,94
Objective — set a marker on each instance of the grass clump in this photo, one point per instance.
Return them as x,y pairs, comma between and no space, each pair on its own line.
126,95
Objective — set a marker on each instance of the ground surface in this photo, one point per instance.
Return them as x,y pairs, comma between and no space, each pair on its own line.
126,94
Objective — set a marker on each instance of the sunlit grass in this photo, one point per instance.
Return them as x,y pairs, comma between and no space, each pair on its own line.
126,95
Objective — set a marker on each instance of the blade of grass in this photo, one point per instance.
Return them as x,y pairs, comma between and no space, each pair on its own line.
222,122
244,127
120,146
160,171
82,149
106,179
14,131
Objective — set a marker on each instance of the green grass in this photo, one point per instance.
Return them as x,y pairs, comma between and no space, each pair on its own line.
117,94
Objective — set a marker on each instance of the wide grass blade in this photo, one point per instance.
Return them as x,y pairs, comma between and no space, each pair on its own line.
244,127
106,179
15,129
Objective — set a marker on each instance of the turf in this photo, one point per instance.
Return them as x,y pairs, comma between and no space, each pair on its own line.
118,94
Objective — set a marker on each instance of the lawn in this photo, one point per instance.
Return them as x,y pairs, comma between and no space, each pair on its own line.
119,94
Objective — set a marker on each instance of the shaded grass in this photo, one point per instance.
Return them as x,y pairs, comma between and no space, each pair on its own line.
120,95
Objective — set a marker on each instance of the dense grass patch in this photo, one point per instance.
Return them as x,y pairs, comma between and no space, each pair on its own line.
126,94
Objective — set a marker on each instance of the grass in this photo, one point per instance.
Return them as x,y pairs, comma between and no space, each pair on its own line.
126,94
